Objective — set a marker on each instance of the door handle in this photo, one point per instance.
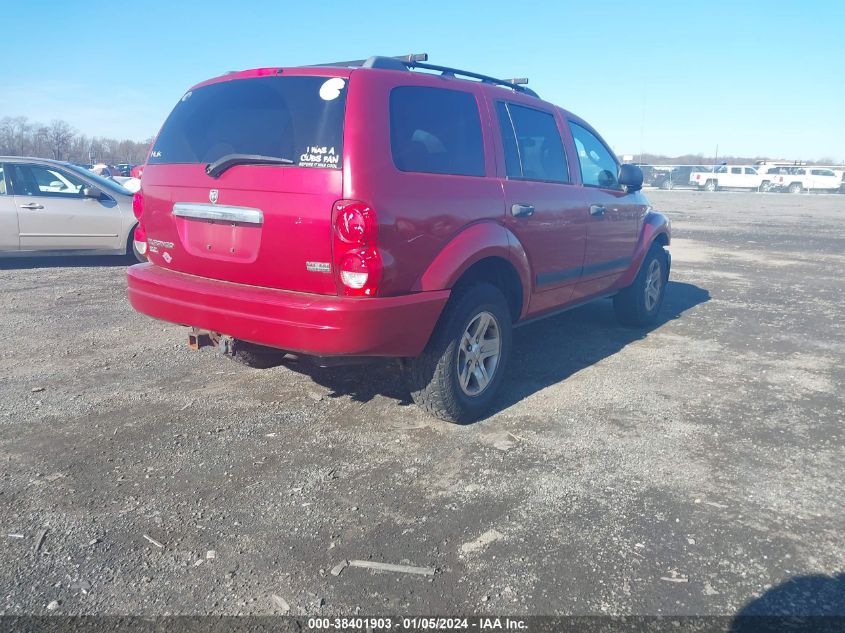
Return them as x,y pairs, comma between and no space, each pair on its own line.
597,209
32,205
522,210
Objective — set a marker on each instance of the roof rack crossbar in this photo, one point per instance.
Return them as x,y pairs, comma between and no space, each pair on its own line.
412,57
419,60
514,84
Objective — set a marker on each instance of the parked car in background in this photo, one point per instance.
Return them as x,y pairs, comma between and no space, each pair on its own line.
398,214
727,177
123,169
768,175
799,179
137,171
50,207
673,176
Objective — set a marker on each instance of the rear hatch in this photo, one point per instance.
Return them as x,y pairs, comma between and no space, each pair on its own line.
259,224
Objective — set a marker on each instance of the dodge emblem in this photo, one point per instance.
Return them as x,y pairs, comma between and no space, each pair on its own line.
212,195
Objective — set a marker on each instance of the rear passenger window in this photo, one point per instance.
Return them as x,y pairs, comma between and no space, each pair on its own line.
531,140
2,182
435,131
598,166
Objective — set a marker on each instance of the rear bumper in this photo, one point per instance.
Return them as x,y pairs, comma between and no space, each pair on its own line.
293,321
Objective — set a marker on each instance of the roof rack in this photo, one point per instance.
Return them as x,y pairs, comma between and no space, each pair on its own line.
419,60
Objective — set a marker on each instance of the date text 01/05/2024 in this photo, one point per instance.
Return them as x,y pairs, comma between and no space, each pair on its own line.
418,623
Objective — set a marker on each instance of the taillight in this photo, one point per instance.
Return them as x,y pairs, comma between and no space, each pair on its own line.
357,259
355,222
140,239
138,205
140,236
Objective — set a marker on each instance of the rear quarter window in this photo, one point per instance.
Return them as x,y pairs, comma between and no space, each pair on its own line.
298,118
435,131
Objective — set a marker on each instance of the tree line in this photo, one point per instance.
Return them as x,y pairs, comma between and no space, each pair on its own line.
58,140
700,159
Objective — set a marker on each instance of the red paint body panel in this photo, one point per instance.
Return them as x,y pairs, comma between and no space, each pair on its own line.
654,225
292,321
297,206
419,213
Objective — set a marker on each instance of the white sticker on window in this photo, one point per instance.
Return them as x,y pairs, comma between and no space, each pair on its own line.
331,88
315,156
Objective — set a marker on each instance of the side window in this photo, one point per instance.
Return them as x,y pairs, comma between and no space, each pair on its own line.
750,170
736,170
435,131
533,148
42,180
598,166
2,182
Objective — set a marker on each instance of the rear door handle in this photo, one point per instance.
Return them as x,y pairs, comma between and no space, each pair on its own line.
597,209
32,205
522,210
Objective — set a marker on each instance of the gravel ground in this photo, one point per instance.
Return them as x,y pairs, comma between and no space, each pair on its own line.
689,469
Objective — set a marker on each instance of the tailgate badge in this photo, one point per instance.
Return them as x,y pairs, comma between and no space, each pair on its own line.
167,257
318,267
213,195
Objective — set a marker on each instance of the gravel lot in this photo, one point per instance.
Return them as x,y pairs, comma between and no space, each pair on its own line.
685,470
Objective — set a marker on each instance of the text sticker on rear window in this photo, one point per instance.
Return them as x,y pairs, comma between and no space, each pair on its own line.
314,156
330,90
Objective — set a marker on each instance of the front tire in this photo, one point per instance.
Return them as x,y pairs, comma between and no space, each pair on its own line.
710,185
457,376
795,187
639,304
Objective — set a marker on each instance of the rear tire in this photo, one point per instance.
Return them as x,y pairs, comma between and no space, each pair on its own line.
639,304
457,376
710,185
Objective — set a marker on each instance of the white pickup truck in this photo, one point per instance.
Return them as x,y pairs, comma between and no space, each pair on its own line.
727,177
798,179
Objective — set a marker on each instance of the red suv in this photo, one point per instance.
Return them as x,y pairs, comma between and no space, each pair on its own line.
388,208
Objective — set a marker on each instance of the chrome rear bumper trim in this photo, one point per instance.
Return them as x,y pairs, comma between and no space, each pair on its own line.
243,215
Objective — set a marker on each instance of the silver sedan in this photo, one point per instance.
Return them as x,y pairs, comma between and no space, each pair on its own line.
50,207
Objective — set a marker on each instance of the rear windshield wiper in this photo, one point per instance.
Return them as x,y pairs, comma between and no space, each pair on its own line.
230,160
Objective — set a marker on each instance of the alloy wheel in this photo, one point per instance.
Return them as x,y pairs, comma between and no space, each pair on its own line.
478,354
653,285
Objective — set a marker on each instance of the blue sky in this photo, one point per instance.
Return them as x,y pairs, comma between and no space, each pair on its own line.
753,77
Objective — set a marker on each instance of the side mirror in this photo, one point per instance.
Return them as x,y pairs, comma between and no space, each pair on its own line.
631,176
91,192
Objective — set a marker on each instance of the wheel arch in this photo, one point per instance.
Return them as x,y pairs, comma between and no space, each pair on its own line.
130,237
656,230
485,251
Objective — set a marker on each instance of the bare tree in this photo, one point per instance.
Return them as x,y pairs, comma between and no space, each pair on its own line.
60,135
21,131
20,137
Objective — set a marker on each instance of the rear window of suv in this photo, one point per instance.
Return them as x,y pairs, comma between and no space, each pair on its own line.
298,118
